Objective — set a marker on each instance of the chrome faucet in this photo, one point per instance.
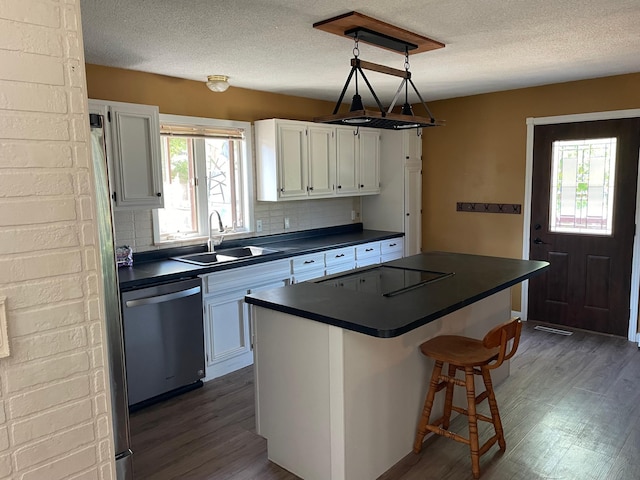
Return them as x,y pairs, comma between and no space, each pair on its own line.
217,241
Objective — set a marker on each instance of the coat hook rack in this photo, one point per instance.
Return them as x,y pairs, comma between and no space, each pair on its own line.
482,207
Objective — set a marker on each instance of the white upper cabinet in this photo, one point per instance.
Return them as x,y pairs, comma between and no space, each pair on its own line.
369,158
348,166
322,160
295,160
298,160
292,160
133,139
358,161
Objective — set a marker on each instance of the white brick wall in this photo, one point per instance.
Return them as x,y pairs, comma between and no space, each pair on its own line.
54,409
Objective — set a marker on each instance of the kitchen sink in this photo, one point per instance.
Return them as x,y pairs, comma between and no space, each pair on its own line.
207,258
226,255
242,252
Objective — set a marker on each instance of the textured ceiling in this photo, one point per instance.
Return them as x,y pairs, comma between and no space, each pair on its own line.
270,45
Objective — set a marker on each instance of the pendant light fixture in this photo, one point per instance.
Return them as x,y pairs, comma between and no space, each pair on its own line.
365,30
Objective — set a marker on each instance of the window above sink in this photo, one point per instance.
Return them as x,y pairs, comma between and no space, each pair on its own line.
206,166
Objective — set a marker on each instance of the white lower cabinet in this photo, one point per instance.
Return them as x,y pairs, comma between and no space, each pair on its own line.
228,344
367,254
391,249
340,260
307,267
227,327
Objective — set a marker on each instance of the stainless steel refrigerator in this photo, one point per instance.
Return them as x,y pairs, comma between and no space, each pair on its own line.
115,346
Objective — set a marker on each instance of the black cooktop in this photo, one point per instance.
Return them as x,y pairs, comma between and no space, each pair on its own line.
385,280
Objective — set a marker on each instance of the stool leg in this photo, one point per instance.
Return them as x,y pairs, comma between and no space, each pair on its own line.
473,422
428,404
493,406
448,399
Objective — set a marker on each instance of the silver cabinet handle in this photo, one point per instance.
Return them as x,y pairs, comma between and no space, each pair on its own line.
163,298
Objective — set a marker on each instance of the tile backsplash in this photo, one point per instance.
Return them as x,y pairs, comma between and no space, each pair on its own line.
135,227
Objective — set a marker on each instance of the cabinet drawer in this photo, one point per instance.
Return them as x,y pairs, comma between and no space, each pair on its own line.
306,262
366,261
368,250
340,255
391,246
340,267
243,277
306,275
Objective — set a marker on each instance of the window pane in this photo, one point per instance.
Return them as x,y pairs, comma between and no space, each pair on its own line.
178,217
582,190
224,180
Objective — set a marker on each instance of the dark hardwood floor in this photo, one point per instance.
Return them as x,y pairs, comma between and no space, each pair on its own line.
570,409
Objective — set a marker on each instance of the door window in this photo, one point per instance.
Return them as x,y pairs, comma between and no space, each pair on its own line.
582,190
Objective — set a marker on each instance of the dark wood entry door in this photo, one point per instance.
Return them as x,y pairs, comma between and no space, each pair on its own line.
588,244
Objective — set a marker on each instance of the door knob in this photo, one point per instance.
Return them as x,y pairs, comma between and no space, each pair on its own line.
539,241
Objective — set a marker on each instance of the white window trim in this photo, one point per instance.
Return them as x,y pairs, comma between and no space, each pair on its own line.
248,167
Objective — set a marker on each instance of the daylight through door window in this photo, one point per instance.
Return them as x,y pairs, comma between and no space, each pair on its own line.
582,189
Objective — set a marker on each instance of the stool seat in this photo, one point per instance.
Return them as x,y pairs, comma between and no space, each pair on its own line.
474,357
463,351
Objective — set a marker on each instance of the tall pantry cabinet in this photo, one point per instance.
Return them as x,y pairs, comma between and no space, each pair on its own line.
398,206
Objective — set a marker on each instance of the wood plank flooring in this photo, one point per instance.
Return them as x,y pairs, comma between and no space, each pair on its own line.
570,409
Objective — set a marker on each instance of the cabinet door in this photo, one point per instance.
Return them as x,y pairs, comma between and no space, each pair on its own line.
292,160
227,342
136,155
413,145
369,158
322,161
347,161
413,208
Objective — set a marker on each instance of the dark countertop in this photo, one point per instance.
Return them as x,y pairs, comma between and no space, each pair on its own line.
156,267
476,277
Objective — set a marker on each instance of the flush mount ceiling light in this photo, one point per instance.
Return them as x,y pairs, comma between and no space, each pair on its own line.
217,83
372,31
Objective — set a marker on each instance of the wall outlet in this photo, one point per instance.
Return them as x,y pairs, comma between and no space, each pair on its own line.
353,214
258,225
286,222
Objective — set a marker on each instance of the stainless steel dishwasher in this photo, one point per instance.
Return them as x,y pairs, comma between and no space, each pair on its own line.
163,340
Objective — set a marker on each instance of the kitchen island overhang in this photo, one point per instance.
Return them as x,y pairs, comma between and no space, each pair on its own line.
474,277
340,381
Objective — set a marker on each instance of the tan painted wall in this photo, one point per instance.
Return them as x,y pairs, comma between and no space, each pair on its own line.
187,97
480,157
54,399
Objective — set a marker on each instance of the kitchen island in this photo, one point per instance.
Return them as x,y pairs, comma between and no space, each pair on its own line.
340,381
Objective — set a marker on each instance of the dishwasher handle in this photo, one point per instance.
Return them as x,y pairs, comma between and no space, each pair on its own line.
167,297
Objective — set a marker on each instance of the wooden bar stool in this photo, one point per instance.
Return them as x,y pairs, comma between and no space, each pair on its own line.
474,357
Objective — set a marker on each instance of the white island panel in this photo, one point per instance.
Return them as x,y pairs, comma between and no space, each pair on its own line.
340,405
